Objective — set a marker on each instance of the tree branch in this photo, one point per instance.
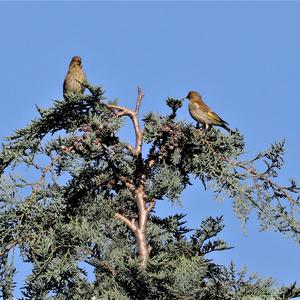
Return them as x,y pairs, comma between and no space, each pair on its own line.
133,115
107,267
272,184
139,228
123,111
139,100
128,183
141,233
131,224
135,119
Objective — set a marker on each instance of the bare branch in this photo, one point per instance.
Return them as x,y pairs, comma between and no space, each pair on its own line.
141,233
131,224
123,111
135,119
139,228
139,100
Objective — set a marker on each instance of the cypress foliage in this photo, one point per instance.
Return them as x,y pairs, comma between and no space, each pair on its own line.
87,196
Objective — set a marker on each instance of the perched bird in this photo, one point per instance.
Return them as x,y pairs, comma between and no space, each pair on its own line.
74,77
203,114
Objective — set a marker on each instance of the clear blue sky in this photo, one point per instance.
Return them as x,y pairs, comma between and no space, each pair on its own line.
244,57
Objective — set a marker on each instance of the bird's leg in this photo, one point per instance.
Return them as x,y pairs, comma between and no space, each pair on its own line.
199,128
206,128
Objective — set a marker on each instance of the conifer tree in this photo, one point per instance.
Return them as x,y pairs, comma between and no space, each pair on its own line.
73,191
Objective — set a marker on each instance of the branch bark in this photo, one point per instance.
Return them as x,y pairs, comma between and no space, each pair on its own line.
137,129
133,115
130,223
138,226
144,248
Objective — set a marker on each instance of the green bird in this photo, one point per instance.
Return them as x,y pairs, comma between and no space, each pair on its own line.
203,114
74,78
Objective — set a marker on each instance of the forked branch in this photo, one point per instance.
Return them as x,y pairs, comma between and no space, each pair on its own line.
133,115
138,226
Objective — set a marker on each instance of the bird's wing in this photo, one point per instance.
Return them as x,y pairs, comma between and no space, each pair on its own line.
215,117
65,85
200,105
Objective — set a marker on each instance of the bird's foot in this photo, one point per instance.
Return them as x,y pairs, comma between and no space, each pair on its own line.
203,129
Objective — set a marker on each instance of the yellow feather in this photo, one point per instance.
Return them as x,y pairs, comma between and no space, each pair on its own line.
214,116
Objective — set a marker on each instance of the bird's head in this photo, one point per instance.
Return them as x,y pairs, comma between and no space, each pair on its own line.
76,60
193,95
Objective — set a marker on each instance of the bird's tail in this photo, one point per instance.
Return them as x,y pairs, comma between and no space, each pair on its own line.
225,126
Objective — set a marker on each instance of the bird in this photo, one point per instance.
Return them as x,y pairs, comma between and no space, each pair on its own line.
202,113
74,78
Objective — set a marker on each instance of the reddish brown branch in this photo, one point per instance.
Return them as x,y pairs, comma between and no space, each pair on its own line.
107,267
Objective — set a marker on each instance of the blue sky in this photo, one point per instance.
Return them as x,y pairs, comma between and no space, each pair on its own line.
242,56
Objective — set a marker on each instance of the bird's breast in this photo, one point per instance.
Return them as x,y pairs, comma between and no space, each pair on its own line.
198,114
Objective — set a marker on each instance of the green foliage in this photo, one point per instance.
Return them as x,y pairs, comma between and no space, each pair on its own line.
80,176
